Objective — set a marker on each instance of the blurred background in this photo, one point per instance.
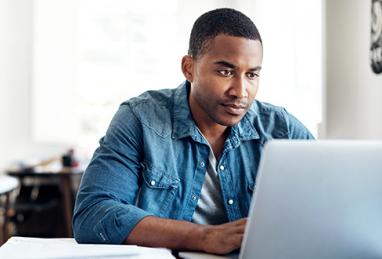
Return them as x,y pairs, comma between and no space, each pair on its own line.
66,65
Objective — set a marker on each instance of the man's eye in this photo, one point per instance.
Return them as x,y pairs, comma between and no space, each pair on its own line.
252,75
225,72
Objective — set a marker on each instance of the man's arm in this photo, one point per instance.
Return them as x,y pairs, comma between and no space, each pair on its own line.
105,210
184,235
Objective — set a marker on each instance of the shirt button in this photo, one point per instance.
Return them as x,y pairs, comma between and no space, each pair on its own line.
152,183
230,201
193,197
221,167
202,164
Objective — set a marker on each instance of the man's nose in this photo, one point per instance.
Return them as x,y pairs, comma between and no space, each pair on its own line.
238,88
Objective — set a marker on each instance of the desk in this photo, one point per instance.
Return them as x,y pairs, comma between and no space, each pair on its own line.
43,248
63,178
49,248
7,185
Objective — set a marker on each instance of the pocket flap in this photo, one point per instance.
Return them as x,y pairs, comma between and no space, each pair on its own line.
158,179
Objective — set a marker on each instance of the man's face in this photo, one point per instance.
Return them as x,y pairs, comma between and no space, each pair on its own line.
224,80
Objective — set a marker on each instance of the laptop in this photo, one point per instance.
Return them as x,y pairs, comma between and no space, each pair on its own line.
316,200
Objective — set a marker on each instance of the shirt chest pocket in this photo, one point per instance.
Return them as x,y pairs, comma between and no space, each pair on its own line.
158,192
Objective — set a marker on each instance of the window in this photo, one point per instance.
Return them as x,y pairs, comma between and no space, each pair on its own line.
91,55
292,75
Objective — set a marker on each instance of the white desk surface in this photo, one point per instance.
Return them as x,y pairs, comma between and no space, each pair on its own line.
65,248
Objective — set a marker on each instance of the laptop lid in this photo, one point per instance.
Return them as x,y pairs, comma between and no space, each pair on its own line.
316,199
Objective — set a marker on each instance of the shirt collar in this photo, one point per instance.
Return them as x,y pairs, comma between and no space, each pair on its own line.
184,125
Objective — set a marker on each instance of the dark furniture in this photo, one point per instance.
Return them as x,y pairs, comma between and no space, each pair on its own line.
44,205
7,186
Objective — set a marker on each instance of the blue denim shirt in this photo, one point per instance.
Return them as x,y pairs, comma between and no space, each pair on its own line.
152,161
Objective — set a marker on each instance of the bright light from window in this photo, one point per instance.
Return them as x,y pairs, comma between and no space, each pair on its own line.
91,55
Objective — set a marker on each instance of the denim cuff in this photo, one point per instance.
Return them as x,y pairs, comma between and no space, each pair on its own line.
115,227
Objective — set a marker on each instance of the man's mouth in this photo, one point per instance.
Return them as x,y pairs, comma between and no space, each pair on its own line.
234,109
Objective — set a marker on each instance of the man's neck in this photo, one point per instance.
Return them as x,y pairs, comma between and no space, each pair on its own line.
214,133
216,136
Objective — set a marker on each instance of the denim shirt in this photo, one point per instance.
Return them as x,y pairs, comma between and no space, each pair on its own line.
152,161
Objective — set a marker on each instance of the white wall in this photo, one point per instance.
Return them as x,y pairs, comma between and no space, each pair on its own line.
15,84
353,91
15,59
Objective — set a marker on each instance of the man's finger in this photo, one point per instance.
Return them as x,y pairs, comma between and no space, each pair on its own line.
237,240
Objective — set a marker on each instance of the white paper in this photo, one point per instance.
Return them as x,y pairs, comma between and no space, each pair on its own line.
67,248
199,255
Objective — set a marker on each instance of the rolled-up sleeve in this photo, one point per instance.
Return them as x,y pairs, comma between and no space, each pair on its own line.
105,210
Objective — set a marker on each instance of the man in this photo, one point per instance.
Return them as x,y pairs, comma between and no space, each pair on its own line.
177,167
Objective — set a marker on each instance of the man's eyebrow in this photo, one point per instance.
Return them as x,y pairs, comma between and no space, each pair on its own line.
256,68
225,64
230,65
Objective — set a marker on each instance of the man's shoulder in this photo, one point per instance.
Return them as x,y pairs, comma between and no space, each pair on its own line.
153,101
153,109
261,109
276,121
162,97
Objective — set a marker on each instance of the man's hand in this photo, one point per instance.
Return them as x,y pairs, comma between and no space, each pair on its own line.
183,235
222,239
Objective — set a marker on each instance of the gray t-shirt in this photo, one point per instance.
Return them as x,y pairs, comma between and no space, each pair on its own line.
210,208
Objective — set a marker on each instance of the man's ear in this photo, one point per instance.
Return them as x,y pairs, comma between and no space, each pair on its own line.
188,67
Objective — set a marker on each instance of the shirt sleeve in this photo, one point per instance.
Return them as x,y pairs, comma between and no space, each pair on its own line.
105,210
296,130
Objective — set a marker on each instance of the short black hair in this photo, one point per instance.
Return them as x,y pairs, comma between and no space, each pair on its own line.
220,21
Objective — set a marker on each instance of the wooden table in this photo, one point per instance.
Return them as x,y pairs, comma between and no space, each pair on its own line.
63,178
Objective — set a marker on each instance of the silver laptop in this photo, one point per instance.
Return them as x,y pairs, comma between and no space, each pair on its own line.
316,199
